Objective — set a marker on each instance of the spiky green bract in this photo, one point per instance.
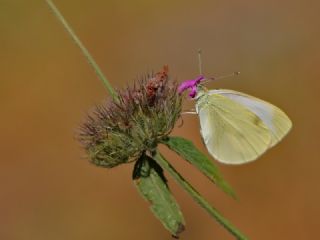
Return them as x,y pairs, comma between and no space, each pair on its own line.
119,131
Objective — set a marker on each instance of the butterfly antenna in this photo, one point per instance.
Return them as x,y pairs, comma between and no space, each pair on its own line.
228,75
200,61
221,77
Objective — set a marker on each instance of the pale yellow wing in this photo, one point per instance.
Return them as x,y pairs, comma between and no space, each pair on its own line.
231,132
276,120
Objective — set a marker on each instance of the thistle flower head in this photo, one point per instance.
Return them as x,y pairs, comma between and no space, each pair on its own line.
120,130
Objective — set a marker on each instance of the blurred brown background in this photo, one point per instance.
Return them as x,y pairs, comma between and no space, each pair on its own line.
49,191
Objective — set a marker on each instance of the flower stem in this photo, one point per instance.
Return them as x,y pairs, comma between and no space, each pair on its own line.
82,48
197,197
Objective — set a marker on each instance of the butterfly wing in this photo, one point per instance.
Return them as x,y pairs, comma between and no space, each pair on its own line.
231,132
274,118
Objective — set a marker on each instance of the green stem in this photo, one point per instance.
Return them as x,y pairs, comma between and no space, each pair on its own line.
197,197
82,48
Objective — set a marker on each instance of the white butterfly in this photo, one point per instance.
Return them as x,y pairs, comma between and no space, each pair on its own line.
236,128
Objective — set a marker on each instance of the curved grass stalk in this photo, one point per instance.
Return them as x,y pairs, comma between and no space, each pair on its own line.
83,49
197,197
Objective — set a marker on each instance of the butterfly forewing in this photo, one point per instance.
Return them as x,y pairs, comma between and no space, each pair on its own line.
274,118
231,132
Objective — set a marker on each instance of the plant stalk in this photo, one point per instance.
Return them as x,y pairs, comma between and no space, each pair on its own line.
197,197
83,49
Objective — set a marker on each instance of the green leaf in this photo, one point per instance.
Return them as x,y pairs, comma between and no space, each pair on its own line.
197,197
152,184
189,152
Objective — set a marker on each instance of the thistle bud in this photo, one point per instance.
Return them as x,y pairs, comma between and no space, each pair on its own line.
121,129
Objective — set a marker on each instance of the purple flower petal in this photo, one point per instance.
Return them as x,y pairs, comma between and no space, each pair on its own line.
185,85
193,92
193,83
199,79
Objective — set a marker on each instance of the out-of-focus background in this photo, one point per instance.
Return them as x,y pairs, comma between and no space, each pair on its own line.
49,191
